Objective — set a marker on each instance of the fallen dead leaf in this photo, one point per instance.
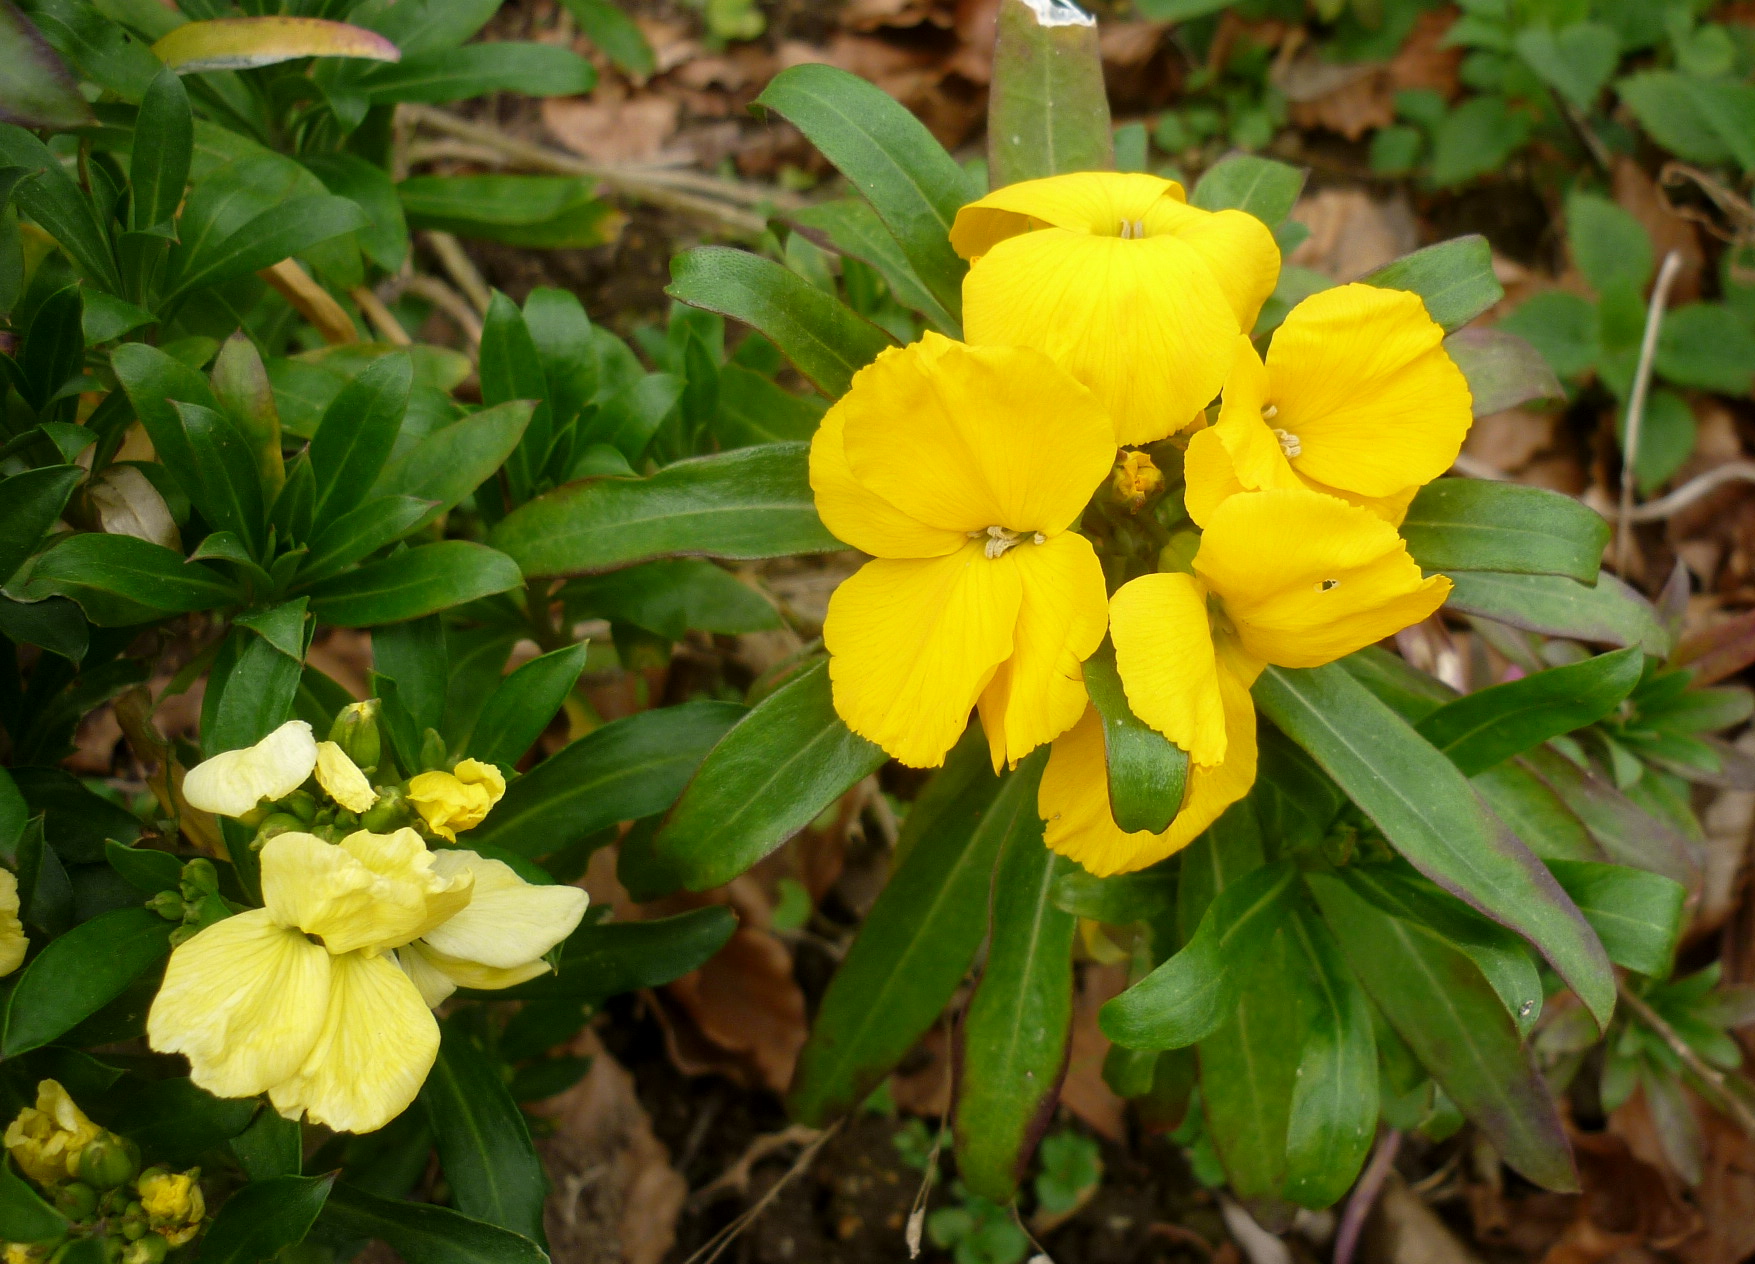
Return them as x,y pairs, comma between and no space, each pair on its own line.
1636,194
1726,1197
1510,440
1084,1092
1424,61
1352,233
608,129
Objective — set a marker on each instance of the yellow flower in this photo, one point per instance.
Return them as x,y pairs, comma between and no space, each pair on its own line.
173,1203
1358,399
24,1253
962,471
1135,292
47,1139
1137,479
500,939
301,999
458,800
235,782
12,937
1293,578
342,779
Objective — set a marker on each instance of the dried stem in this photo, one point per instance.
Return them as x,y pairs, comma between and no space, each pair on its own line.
1654,319
1729,1102
379,316
715,1245
457,262
446,300
1364,1196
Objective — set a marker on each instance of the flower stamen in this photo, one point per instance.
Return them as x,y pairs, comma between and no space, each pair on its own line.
1290,443
1133,229
999,539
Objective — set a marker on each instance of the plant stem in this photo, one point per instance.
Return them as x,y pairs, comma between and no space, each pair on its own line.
1654,319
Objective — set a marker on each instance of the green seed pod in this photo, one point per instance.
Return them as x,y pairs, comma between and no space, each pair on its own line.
168,905
108,1161
389,813
76,1201
356,731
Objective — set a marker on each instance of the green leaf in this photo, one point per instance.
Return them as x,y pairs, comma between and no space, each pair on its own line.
34,82
342,541
1638,915
1491,725
1728,106
1473,524
144,869
1047,111
1429,813
517,712
1706,345
1266,189
1454,279
823,337
1119,899
854,229
626,770
248,701
264,1217
920,937
1333,1117
1503,370
1477,137
1188,997
1576,61
1608,612
1440,1005
247,43
613,31
671,597
1666,106
452,462
240,382
1609,246
164,141
154,381
629,418
748,503
55,202
1017,1030
1627,834
79,973
30,503
230,495
890,157
605,959
456,74
1148,773
120,580
1535,814
357,433
263,242
1562,326
772,774
177,1121
422,1233
24,1216
385,238
417,582
484,1144
547,211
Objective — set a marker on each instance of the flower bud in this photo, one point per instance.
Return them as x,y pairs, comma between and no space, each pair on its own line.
356,731
48,1140
459,800
150,1249
76,1201
168,905
389,813
1136,480
172,1202
199,878
109,1161
277,823
433,752
300,803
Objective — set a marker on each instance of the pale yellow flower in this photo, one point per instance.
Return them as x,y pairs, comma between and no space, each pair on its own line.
47,1139
342,779
12,937
173,1203
450,802
236,782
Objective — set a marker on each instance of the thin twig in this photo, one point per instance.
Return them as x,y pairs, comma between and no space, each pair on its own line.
1364,1196
1714,1079
446,300
1695,489
380,317
1654,319
457,262
715,1245
737,1176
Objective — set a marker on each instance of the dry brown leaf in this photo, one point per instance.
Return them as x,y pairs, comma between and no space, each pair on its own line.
1726,1198
1510,440
922,1084
615,1197
1352,233
1084,1092
741,1014
345,656
607,129
1423,61
1404,1230
1639,197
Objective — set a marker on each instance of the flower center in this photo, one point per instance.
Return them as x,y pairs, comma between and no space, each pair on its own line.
1133,229
1000,539
1290,443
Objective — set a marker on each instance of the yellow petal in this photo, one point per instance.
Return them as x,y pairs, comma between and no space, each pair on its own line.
377,1043
508,922
373,891
46,1140
1143,323
1392,508
12,938
342,779
236,781
451,802
1039,692
438,975
1164,652
244,1001
965,438
1096,202
1307,579
413,894
1073,799
913,644
1208,475
854,513
1361,376
433,984
1236,245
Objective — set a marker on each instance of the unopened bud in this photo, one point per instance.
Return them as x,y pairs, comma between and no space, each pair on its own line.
1136,480
76,1200
278,823
356,731
199,878
168,905
389,813
433,753
150,1249
108,1161
300,803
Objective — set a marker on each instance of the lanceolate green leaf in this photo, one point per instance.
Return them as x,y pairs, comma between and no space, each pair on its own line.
1638,915
24,1216
1608,613
854,229
1017,1033
1440,1005
1047,112
1249,1071
1454,279
768,778
264,241
164,140
605,959
1148,773
890,157
1266,189
1490,725
919,938
422,1233
81,972
453,74
263,1217
1503,370
1535,813
230,495
414,583
155,383
484,1143
119,580
35,84
452,462
357,433
628,769
1428,811
32,502
823,337
748,503
1334,1103
1627,834
520,708
1473,524
55,202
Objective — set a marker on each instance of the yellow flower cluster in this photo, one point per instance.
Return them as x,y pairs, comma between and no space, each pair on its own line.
1104,312
47,1140
323,998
